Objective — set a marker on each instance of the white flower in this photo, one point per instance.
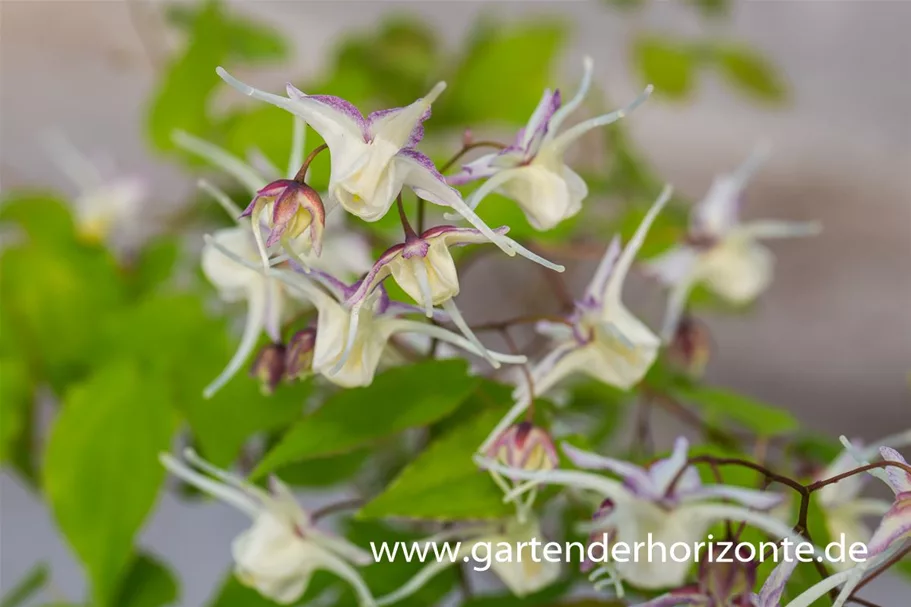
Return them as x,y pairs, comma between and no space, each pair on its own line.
423,266
267,298
894,530
280,552
531,171
666,500
104,206
602,338
721,252
374,157
348,351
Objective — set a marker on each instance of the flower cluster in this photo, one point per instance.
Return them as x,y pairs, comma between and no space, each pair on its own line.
294,256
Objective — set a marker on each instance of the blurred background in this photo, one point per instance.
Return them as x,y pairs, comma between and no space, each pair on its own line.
826,83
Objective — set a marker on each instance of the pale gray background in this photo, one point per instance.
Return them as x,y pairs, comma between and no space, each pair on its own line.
832,338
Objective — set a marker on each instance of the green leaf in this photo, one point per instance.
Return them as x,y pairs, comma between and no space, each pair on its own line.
101,472
758,417
444,483
182,99
16,399
398,399
549,597
154,265
248,41
56,298
187,348
234,594
44,218
31,583
147,584
502,74
325,471
749,72
666,64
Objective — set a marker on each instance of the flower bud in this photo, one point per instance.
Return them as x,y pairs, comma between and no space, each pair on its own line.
299,354
295,208
525,446
690,347
269,367
727,583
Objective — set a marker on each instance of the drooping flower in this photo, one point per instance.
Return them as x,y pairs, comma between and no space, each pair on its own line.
531,171
295,207
269,367
894,530
720,251
602,338
268,301
690,347
527,447
665,503
279,553
374,157
299,354
379,319
423,266
106,205
291,213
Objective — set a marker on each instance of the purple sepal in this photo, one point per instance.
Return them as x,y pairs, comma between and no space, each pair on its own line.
417,133
336,103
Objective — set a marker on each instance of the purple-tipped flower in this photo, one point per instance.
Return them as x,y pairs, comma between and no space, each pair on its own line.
299,354
296,207
531,171
423,266
269,367
601,339
895,528
665,503
525,446
721,252
374,156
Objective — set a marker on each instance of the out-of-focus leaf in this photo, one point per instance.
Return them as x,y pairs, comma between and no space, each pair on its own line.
398,399
234,594
182,98
502,74
712,8
398,62
264,128
101,472
187,348
248,41
56,299
749,72
32,582
666,64
444,483
154,265
325,471
721,404
16,400
148,583
384,577
43,218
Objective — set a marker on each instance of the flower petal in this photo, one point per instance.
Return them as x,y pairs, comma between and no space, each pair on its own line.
614,286
899,478
566,138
